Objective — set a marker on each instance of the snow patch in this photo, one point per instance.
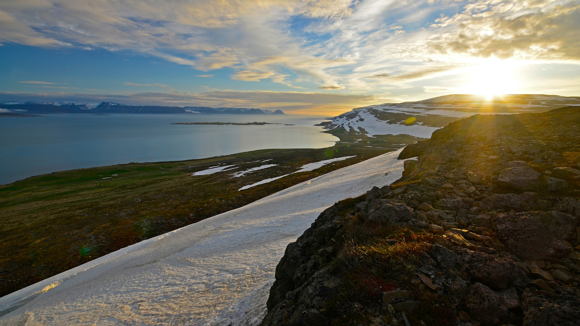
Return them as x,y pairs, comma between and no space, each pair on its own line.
243,173
214,169
304,168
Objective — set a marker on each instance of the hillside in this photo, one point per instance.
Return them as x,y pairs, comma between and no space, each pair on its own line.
483,229
423,117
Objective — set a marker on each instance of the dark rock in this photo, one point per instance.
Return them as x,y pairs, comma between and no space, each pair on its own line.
390,210
408,306
557,310
495,272
374,193
485,305
509,298
555,184
443,256
388,297
536,235
451,203
517,202
520,177
566,172
568,206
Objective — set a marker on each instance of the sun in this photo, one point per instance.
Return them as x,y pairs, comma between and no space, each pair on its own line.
492,78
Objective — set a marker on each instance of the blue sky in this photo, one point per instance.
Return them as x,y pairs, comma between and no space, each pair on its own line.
301,56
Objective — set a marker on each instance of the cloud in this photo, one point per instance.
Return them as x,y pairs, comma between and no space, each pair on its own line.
247,75
436,89
546,31
36,82
204,76
139,85
5,111
331,87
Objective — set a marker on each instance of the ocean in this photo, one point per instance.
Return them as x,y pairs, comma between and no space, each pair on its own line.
41,145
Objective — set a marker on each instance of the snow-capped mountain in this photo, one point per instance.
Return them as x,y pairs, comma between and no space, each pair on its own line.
421,118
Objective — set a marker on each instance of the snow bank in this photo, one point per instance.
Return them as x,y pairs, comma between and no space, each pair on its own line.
215,272
304,168
261,167
214,169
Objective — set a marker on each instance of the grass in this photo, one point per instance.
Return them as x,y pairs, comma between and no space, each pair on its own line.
54,222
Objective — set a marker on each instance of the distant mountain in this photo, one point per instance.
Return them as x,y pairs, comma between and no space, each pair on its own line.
112,108
426,116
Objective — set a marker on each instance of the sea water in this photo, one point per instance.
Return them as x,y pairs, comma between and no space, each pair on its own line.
39,145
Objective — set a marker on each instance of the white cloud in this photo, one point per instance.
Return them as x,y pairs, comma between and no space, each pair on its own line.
36,82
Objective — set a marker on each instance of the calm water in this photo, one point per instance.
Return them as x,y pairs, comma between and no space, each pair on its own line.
33,146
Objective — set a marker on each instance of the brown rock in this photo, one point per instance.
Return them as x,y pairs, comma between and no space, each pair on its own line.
485,305
495,272
463,316
425,207
536,235
538,271
566,172
555,184
374,193
543,285
434,228
561,275
428,282
390,210
408,306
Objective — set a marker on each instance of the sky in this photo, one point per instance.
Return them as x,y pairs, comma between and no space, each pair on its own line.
320,57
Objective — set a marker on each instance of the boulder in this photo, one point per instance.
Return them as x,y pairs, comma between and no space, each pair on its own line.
555,184
519,177
536,235
517,202
555,310
452,203
443,256
566,172
485,305
390,210
495,272
568,206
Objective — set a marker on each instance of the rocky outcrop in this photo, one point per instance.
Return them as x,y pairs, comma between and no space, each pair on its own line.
483,229
537,235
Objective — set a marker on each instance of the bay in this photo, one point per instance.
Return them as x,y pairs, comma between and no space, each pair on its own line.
40,145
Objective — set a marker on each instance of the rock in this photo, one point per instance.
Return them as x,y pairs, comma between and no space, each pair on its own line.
521,177
451,203
473,178
568,206
566,172
555,184
434,228
427,281
509,298
390,210
458,239
374,193
517,202
397,294
535,269
463,316
443,256
561,275
408,306
557,310
536,235
543,285
495,272
409,166
485,305
425,207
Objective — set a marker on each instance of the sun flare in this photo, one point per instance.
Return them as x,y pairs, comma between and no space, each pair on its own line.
493,78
